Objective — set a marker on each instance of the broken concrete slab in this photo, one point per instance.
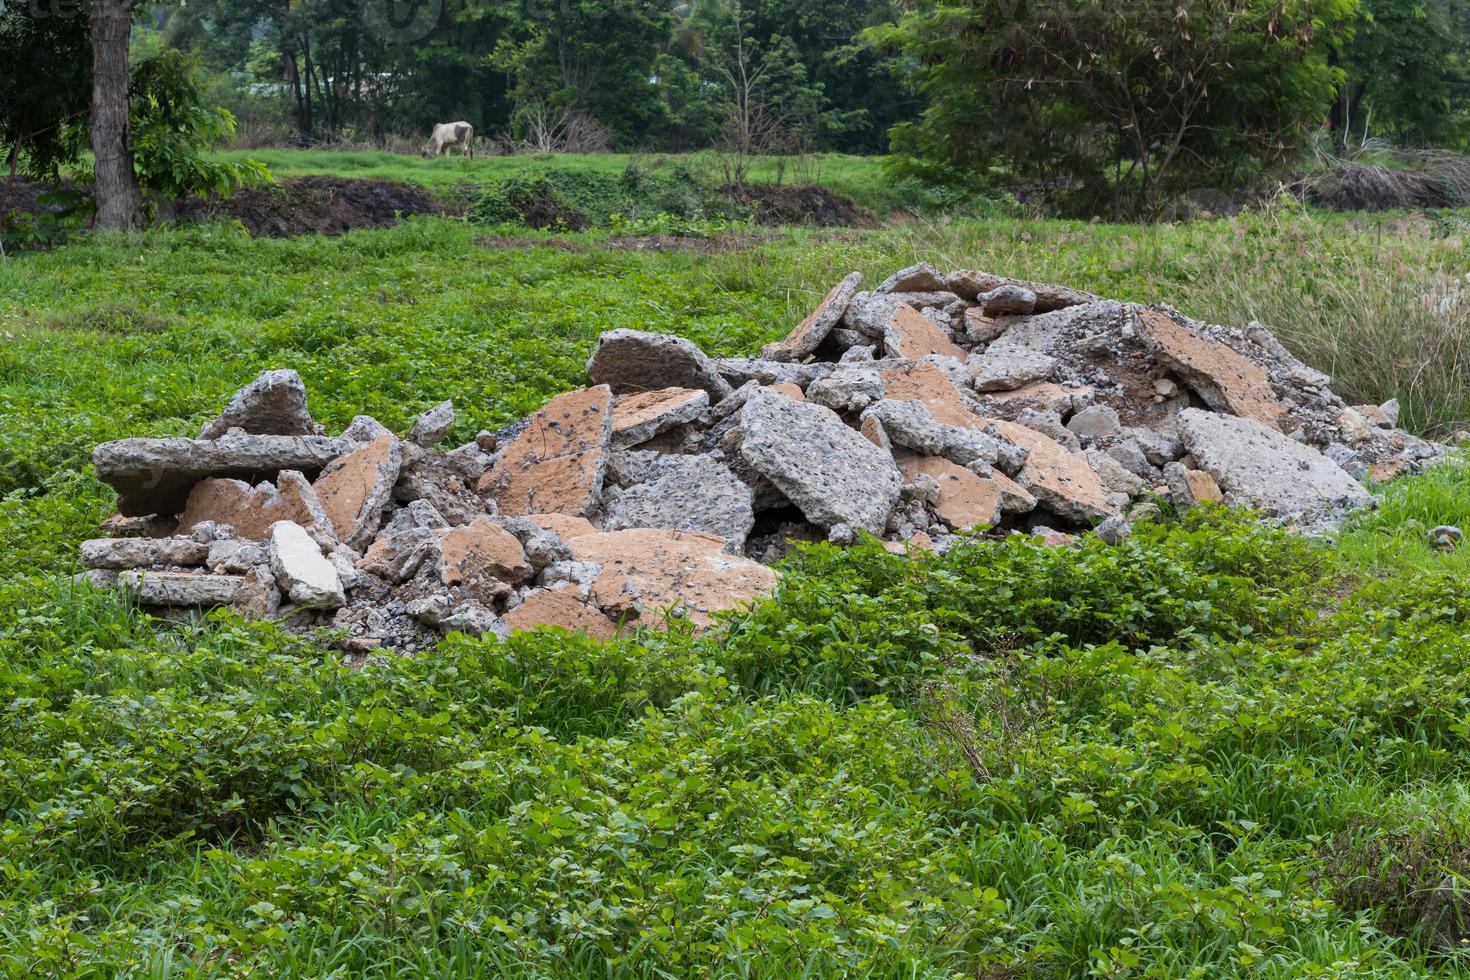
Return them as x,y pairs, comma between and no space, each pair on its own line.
741,371
274,404
483,557
1226,380
1040,396
925,382
365,428
966,500
650,571
250,511
562,609
563,525
641,417
180,590
1258,467
430,428
355,490
398,554
632,361
558,464
848,390
919,278
972,283
155,476
119,554
802,342
1096,422
686,493
912,424
911,335
825,468
980,329
1007,370
1009,299
1061,482
429,478
1189,488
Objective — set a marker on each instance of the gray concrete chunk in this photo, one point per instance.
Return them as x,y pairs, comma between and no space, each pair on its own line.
274,404
124,553
913,425
1259,467
802,342
686,493
631,361
303,572
154,476
430,428
826,469
919,278
181,589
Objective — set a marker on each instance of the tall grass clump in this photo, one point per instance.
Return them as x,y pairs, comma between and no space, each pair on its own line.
1364,308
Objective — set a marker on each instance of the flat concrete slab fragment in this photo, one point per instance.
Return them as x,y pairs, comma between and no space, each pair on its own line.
557,465
1059,480
1226,380
1256,466
646,572
355,490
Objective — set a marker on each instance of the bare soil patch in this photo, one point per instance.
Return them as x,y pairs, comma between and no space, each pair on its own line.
773,205
314,205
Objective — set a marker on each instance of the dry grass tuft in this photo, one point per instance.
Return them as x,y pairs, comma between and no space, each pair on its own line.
1386,180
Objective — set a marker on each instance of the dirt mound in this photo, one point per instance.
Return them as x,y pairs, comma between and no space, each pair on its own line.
773,206
314,205
22,197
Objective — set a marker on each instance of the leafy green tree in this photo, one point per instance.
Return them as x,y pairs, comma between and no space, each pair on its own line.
49,104
863,100
173,126
1113,106
692,105
1407,75
590,60
45,85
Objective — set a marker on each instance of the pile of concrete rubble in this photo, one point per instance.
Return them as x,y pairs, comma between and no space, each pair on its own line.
929,406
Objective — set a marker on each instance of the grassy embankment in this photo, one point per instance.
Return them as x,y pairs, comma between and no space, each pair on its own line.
1215,752
860,178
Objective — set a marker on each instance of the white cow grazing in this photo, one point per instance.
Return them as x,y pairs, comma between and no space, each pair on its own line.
446,135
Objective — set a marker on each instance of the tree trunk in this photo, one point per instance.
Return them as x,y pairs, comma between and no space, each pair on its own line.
309,127
293,78
119,202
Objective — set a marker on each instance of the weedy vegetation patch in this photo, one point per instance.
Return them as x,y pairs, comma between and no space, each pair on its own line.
1217,750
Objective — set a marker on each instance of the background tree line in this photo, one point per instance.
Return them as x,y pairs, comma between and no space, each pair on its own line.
1100,104
656,74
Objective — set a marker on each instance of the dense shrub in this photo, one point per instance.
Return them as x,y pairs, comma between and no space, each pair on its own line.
1005,758
1111,108
577,199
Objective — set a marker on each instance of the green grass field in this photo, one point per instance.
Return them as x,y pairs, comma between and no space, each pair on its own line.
860,178
1215,752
